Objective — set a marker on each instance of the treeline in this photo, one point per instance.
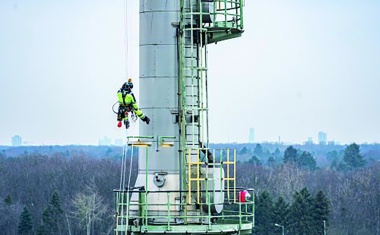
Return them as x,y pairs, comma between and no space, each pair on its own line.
304,215
72,193
58,194
324,155
351,188
65,150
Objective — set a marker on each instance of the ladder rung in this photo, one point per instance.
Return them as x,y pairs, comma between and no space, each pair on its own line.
194,153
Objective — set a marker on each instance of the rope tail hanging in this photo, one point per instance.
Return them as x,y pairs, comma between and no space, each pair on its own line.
123,171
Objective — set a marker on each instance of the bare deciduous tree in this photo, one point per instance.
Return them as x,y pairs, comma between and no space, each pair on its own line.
89,207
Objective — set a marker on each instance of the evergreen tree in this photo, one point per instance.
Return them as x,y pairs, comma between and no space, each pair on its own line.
264,214
290,155
276,152
8,200
307,161
244,150
281,213
255,161
56,204
332,155
271,162
52,217
352,157
258,150
320,212
25,226
334,164
301,219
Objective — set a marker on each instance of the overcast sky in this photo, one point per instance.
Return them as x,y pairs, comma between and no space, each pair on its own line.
301,67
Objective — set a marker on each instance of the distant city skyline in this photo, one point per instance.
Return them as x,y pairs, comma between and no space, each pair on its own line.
106,141
321,139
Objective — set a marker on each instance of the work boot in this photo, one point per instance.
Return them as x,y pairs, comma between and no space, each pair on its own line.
146,119
126,124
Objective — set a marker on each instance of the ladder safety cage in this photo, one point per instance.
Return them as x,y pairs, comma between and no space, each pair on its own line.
201,22
218,20
193,81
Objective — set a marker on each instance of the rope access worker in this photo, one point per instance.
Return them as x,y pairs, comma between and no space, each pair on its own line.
127,103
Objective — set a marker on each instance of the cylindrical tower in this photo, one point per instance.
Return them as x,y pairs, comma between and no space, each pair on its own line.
182,186
159,80
159,89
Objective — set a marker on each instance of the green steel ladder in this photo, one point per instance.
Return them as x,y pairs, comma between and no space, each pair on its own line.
201,22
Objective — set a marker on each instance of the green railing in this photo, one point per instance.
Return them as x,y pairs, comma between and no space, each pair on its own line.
228,13
136,216
211,202
218,19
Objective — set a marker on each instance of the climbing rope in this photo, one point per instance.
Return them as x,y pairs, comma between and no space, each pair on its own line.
127,40
123,169
124,166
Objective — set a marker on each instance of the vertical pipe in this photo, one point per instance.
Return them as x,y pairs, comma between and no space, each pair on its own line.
198,169
228,170
168,199
146,168
206,90
241,14
180,153
225,12
189,176
235,175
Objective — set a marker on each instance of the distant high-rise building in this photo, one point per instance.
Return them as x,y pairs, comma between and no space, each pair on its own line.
105,141
331,142
322,138
16,140
251,135
309,141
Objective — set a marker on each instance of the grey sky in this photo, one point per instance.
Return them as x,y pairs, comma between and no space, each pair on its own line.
300,67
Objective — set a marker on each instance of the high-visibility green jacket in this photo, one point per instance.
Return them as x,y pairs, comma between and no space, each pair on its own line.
126,100
129,100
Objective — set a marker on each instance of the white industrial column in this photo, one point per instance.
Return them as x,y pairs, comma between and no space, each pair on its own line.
158,97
